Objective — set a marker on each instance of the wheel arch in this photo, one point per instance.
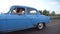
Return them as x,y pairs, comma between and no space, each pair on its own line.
43,23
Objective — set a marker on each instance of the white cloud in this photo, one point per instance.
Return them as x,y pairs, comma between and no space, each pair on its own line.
5,4
39,4
54,3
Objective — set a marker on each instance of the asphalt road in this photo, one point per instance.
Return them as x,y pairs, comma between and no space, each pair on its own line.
52,28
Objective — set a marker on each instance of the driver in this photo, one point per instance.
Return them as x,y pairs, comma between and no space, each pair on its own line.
20,11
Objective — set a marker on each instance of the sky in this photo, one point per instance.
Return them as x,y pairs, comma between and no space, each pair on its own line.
50,5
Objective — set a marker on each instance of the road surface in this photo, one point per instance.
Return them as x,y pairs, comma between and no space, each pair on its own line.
52,28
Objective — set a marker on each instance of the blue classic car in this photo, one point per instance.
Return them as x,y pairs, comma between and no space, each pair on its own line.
22,17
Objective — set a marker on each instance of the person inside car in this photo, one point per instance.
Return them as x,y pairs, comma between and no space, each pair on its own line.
20,11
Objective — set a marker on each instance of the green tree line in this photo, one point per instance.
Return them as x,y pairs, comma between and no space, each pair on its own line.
46,12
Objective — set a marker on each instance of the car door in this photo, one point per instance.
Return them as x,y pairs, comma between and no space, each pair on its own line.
32,15
16,22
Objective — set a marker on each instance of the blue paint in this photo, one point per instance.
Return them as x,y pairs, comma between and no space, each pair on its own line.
12,22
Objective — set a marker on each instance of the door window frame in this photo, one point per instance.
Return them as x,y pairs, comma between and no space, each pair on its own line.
32,9
16,8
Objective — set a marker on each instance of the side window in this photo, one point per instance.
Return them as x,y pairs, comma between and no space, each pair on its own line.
31,11
19,11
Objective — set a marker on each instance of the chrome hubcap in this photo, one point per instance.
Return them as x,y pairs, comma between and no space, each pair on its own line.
40,26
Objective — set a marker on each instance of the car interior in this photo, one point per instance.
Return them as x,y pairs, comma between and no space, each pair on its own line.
18,11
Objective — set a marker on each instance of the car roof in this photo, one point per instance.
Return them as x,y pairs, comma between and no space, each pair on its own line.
23,7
